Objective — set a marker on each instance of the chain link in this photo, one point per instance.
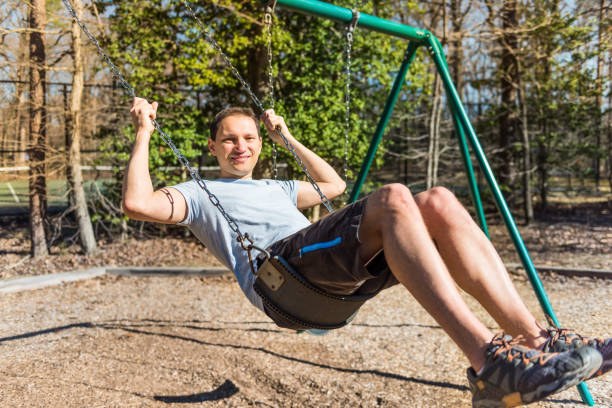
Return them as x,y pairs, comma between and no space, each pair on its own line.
347,127
209,38
165,137
268,25
168,140
103,54
211,41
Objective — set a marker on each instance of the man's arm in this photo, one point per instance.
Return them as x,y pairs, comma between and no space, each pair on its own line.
330,183
140,201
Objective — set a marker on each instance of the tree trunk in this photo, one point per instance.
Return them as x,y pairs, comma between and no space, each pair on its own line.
21,114
508,73
599,84
527,202
545,114
434,135
38,134
257,57
68,124
22,129
3,136
74,173
609,126
433,156
456,45
316,213
542,165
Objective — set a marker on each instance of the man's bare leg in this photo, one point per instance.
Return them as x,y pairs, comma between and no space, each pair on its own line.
393,221
511,374
475,265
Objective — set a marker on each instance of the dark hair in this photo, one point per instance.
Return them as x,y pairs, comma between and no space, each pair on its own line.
233,111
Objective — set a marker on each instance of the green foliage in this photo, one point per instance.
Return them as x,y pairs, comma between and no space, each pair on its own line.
309,67
556,55
164,55
564,98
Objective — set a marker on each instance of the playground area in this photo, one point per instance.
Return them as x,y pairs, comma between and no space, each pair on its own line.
176,340
114,335
171,341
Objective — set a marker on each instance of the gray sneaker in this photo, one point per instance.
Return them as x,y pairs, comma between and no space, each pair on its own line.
515,375
561,340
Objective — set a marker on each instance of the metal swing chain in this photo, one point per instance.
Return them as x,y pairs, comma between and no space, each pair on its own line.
268,24
211,41
242,238
349,45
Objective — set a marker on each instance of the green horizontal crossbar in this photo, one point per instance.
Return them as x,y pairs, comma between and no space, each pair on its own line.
337,13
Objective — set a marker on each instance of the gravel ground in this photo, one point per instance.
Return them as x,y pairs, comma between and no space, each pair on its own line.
170,341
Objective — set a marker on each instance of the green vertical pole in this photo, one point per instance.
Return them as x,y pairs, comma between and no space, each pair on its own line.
435,49
384,119
467,162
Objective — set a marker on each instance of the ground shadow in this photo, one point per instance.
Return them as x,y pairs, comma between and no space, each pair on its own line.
225,390
137,328
15,252
169,323
47,331
563,401
597,213
291,358
388,326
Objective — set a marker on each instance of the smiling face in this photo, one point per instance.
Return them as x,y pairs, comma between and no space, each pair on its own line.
236,146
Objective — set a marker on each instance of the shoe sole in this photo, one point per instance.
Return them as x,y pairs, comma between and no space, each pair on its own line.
568,380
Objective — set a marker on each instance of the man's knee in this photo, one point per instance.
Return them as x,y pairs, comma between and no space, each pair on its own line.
393,199
440,203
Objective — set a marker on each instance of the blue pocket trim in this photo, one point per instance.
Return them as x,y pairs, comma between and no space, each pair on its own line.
320,245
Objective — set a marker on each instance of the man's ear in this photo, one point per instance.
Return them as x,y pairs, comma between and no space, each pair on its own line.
211,147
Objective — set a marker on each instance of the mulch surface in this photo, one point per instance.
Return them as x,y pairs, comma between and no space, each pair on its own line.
171,341
171,250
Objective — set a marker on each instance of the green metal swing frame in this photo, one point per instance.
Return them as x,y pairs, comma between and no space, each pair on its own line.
465,132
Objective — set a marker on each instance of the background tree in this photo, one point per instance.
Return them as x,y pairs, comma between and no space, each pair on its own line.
73,143
601,48
563,93
507,73
552,54
164,52
38,133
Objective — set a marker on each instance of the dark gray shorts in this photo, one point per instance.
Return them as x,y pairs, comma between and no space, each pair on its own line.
326,253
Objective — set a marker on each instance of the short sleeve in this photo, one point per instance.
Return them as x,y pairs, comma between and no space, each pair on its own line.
190,192
290,187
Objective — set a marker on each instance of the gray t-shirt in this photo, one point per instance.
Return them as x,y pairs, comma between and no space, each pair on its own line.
265,209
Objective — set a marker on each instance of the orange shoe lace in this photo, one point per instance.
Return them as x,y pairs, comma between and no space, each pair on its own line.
510,346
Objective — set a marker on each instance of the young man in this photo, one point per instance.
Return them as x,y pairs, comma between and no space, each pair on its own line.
430,244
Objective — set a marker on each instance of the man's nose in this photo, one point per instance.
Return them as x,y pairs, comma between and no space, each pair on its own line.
241,145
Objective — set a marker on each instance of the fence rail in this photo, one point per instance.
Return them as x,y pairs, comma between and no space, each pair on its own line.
109,168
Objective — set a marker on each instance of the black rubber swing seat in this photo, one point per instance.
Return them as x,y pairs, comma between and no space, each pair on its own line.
294,303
